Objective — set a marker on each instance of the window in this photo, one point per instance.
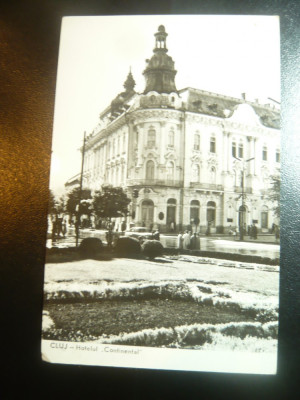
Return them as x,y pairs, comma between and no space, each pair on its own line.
196,141
241,150
212,144
194,212
277,156
150,169
171,138
211,213
265,153
151,138
233,149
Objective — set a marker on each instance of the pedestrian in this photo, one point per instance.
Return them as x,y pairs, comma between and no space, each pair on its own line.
195,242
109,238
64,228
180,241
172,226
254,231
186,240
251,231
207,233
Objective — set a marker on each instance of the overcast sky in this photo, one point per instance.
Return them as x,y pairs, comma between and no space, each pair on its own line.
222,54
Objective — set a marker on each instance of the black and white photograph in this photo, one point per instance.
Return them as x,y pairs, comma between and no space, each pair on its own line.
163,239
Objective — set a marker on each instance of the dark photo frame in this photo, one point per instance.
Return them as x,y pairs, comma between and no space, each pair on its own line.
30,52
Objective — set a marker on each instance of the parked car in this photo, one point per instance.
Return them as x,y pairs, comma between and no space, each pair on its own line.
139,232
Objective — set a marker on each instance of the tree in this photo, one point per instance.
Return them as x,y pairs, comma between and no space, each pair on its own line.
52,203
110,202
274,194
73,202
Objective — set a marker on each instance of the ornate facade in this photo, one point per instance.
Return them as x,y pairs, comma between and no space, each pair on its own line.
185,157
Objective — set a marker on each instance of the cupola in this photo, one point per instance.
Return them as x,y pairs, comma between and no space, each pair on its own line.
160,72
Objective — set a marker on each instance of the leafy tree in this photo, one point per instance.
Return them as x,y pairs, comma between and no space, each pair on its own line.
52,203
274,194
73,201
110,202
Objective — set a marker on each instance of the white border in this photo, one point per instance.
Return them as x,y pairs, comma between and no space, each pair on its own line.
89,353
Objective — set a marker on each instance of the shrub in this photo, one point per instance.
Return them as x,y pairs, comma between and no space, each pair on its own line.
127,246
90,247
152,248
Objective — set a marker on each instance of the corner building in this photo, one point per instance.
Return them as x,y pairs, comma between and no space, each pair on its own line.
185,156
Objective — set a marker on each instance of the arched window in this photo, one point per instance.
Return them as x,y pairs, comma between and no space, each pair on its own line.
212,146
194,212
196,141
277,156
170,170
196,173
171,136
151,139
150,169
241,150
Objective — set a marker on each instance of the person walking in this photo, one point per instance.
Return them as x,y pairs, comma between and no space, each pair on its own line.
186,240
254,231
195,242
180,241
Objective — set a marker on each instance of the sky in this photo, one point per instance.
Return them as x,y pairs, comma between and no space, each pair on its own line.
222,54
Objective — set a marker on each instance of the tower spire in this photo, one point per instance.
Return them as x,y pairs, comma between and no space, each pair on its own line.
160,72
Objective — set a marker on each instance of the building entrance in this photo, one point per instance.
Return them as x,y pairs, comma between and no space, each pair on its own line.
147,213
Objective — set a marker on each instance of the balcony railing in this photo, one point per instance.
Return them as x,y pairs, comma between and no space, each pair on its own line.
206,186
154,182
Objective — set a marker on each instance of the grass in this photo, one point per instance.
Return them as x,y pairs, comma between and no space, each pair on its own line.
112,317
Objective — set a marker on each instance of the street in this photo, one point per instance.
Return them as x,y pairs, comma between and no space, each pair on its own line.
265,245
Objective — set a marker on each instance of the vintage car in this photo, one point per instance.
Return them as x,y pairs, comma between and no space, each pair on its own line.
139,232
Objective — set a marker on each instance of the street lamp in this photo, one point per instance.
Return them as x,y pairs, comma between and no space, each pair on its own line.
243,196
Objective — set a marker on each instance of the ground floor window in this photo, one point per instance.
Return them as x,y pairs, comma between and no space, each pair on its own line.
171,214
211,213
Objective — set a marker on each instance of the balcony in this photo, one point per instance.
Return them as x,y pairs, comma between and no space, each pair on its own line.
206,186
154,182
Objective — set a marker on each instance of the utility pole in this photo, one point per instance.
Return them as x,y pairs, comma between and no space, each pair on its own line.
243,195
80,191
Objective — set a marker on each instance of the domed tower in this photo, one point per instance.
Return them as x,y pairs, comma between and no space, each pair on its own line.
160,72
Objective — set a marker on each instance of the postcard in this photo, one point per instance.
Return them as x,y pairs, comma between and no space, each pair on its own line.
163,240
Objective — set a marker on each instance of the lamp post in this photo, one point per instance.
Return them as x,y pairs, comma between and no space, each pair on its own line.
243,196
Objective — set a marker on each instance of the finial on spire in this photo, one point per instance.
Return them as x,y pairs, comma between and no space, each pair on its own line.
129,84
